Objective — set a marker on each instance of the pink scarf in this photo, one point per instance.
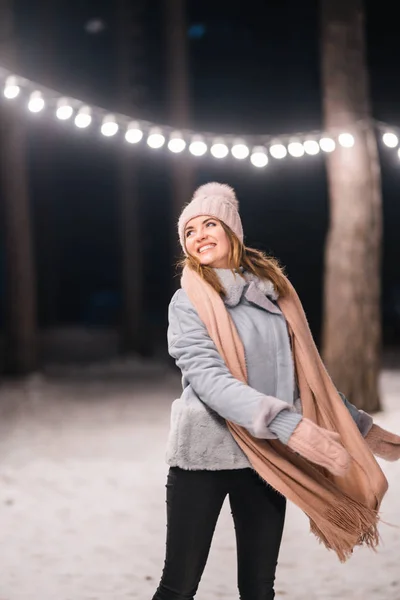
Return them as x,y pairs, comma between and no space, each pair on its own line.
343,512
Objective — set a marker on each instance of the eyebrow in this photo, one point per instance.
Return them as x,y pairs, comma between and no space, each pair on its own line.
203,223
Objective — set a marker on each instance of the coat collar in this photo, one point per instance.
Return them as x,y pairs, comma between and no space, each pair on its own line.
258,291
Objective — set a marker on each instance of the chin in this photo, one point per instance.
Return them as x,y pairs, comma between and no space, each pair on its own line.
207,263
213,263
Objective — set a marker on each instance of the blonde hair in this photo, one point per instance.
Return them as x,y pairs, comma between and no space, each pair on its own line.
241,257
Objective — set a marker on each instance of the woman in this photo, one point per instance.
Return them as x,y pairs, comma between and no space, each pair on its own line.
251,373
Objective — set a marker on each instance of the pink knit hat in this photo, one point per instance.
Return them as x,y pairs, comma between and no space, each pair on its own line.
215,200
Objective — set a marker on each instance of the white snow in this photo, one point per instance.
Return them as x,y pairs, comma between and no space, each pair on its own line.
82,498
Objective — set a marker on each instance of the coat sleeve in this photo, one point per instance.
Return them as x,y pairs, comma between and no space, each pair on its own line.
205,370
362,419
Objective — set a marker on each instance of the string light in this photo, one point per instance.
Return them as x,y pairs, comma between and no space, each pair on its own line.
109,126
219,149
84,117
36,102
64,110
240,150
11,88
278,151
133,133
198,147
176,142
156,139
390,139
197,144
259,157
346,140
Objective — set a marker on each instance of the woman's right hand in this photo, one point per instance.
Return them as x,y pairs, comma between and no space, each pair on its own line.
320,446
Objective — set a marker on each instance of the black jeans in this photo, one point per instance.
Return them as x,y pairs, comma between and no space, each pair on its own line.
194,501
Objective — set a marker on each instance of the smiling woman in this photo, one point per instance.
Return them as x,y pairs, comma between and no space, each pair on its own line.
246,426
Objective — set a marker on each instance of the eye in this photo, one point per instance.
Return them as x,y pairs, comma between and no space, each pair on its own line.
189,232
212,223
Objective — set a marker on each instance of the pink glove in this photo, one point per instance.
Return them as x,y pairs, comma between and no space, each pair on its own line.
320,446
382,443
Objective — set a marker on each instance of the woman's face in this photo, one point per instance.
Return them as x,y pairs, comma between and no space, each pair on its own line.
207,241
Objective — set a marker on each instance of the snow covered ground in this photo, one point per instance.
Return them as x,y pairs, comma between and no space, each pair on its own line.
82,509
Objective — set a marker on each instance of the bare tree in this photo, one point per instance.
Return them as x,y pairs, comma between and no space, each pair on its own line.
46,138
20,347
129,48
178,94
352,325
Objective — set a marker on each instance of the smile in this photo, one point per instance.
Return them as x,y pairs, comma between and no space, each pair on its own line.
207,247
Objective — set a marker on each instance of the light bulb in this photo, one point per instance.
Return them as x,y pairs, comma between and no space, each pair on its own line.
156,138
240,150
219,149
278,151
176,142
11,89
133,134
296,149
327,144
197,147
64,110
311,147
109,126
346,140
390,139
259,157
84,117
36,102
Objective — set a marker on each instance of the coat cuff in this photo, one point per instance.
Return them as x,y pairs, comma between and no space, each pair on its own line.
364,422
270,409
284,425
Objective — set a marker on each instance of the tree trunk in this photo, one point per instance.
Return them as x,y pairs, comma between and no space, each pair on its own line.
20,328
352,325
182,171
47,252
129,19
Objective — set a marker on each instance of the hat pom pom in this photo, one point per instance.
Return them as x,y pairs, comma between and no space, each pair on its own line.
221,190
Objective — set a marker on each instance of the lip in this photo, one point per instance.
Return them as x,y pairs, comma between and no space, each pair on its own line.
211,244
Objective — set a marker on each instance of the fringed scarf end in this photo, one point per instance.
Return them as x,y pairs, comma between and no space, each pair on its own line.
346,526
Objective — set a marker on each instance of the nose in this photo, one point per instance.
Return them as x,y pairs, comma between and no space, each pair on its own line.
201,234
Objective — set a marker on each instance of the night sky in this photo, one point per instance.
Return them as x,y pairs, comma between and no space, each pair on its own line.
255,69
